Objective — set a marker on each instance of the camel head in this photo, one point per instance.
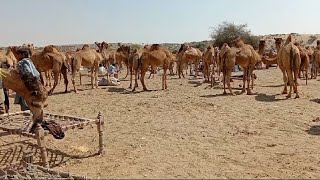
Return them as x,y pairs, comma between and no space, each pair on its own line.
28,45
124,50
224,49
238,42
102,46
209,47
318,42
86,46
278,41
146,47
183,47
155,47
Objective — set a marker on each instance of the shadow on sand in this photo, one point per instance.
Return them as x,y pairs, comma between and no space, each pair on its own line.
267,98
314,130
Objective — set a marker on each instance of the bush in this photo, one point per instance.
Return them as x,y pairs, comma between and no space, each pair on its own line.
227,32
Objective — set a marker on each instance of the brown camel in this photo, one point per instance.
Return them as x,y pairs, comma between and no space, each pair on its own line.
188,54
155,56
135,64
51,59
8,58
305,61
208,60
103,50
227,63
262,45
247,58
86,57
289,62
122,57
316,57
34,93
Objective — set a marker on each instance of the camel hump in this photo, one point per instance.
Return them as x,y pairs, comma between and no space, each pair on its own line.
155,47
50,49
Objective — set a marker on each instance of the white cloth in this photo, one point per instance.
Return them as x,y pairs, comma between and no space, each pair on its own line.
102,70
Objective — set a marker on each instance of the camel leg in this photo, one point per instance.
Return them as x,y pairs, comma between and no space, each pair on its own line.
96,76
228,81
143,74
73,81
290,77
164,77
131,74
64,73
196,68
212,75
307,68
127,73
295,83
224,83
42,78
249,78
136,75
245,71
56,79
285,81
179,70
92,78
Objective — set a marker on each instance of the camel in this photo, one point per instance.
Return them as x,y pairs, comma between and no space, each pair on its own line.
155,56
122,56
34,93
305,61
227,63
8,58
187,54
102,49
208,59
247,58
289,61
316,61
261,49
89,58
50,59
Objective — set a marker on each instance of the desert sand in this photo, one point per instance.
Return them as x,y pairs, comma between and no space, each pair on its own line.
189,131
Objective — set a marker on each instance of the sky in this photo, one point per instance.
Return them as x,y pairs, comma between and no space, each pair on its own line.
44,22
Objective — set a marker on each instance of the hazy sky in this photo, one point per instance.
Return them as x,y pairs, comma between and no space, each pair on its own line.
147,21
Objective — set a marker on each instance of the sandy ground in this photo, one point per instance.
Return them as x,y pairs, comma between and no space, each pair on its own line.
188,131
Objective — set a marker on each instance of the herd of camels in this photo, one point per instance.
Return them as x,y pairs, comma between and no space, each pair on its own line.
291,58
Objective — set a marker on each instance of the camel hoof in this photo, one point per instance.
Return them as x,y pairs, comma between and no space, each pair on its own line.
134,89
129,87
224,93
288,96
284,92
249,93
297,96
76,91
145,89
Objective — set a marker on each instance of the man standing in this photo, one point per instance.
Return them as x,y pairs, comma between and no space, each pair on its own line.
25,67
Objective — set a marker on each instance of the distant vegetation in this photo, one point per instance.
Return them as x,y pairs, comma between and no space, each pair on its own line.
227,32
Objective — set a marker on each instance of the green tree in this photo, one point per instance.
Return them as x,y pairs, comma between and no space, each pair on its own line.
227,32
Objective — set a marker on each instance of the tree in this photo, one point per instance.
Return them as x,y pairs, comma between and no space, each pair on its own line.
227,32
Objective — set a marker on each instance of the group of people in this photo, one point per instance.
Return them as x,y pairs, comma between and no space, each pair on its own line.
111,73
24,66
